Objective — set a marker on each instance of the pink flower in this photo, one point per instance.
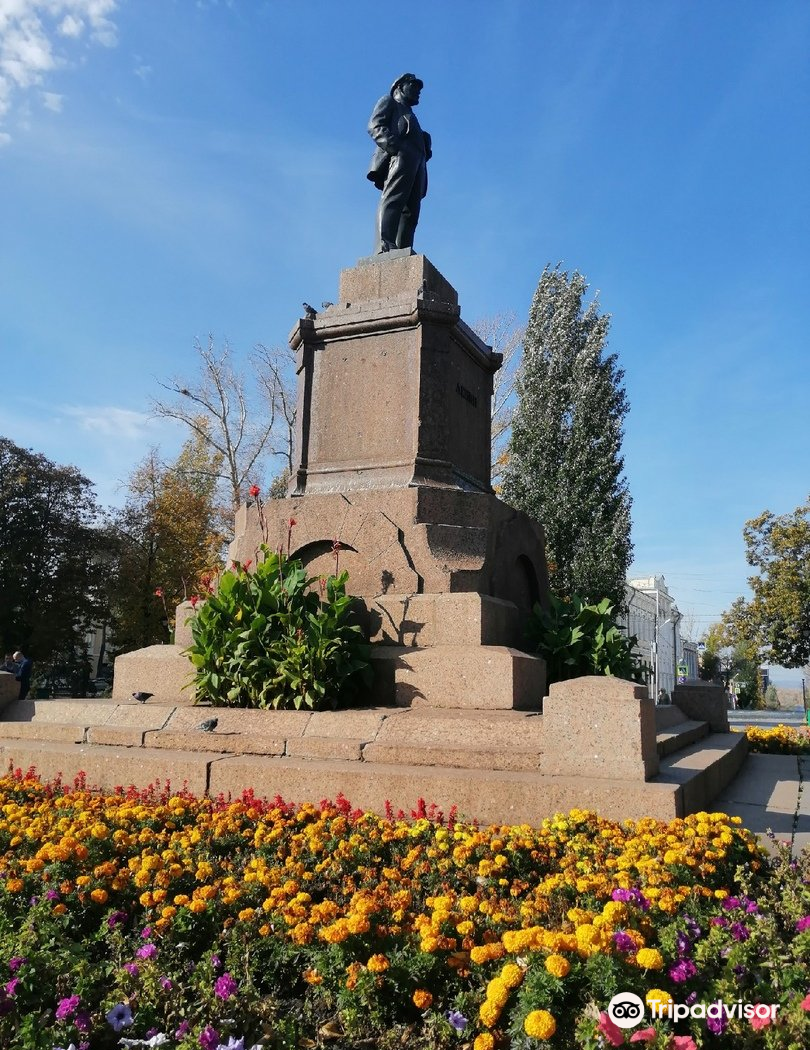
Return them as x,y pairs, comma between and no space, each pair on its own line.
158,592
805,1003
292,522
644,1035
254,491
225,986
610,1030
758,1022
194,599
683,1042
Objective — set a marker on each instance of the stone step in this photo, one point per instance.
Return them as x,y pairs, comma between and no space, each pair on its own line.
703,769
668,715
487,677
490,796
679,736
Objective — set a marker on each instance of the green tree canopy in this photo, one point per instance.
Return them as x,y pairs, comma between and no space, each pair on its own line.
49,550
565,466
166,538
777,618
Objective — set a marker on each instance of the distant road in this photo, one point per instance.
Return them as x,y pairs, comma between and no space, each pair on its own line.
767,718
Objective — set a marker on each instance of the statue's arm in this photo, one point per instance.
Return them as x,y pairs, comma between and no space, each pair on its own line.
379,126
428,145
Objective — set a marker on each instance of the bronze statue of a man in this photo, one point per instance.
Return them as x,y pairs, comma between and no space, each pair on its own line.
399,164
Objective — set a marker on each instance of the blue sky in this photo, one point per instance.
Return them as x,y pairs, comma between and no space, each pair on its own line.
171,168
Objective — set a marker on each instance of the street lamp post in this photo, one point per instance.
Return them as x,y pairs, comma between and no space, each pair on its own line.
673,618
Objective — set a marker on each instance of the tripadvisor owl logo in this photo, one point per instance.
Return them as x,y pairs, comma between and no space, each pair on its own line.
626,1010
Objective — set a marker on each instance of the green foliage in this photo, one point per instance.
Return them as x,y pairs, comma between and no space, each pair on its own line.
163,541
575,639
564,466
49,550
268,639
778,616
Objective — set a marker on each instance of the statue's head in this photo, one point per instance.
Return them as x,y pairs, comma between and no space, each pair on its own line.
408,88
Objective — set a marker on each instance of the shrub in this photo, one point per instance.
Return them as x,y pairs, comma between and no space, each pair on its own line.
271,639
576,639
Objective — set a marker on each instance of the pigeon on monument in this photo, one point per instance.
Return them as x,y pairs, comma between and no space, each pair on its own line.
310,311
141,697
209,725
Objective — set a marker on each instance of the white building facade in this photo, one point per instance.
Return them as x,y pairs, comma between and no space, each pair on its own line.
653,617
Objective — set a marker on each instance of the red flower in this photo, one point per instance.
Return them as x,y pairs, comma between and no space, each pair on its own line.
293,522
247,564
610,1030
254,491
194,599
159,592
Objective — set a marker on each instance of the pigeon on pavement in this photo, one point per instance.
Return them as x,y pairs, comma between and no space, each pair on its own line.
141,697
209,725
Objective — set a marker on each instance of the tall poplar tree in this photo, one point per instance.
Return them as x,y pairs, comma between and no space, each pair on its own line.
565,466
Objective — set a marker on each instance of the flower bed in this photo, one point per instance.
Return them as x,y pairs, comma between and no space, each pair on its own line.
158,919
779,740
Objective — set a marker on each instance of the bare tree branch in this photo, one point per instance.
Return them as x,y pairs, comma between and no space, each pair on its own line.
505,336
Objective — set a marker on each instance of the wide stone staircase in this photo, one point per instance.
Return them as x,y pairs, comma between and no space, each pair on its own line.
597,744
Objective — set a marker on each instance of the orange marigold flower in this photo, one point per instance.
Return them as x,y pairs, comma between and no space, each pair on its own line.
422,999
377,964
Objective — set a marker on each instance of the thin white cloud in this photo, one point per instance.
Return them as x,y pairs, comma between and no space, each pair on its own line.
109,420
5,138
52,101
29,35
142,71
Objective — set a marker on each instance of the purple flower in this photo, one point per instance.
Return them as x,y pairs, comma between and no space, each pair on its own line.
233,1044
739,931
148,951
624,942
682,971
216,962
719,920
16,962
166,984
82,1021
182,1029
632,896
209,1038
691,998
132,969
119,1017
730,903
225,986
51,895
802,925
740,971
11,986
457,1020
67,1007
717,1025
115,918
146,933
684,944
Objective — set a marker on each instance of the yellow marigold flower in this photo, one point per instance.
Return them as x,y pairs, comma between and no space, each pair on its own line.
650,959
497,992
246,914
168,912
99,896
312,977
558,965
58,909
511,975
377,964
196,906
484,1041
181,899
656,996
422,999
484,953
264,930
468,905
489,1013
465,928
358,924
540,1024
14,885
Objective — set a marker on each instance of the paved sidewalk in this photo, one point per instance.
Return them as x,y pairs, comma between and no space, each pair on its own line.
771,792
